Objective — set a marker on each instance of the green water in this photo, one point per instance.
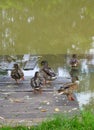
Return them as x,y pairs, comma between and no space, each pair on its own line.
48,27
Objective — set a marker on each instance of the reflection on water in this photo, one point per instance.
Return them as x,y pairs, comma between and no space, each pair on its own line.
84,66
84,98
46,27
62,72
60,64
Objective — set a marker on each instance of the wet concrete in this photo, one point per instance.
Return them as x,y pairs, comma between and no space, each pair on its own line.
19,105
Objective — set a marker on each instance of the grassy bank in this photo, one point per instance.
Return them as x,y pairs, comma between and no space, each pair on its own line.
85,121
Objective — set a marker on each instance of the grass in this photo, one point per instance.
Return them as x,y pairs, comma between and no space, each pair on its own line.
84,121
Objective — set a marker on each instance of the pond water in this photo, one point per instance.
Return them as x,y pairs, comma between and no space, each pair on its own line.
51,27
46,26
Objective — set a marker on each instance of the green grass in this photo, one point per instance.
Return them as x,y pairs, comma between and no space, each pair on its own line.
84,121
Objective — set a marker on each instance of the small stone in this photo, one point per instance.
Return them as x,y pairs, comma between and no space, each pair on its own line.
69,111
39,107
48,103
74,109
2,118
57,109
57,101
43,110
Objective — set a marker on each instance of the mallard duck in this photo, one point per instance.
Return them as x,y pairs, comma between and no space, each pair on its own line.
37,83
68,90
17,73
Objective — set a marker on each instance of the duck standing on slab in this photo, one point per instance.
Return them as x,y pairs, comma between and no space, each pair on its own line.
68,90
37,82
47,72
17,73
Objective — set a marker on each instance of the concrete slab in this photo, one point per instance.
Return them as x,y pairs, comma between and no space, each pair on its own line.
19,105
28,107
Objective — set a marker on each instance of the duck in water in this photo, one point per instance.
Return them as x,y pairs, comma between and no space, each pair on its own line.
74,64
17,73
